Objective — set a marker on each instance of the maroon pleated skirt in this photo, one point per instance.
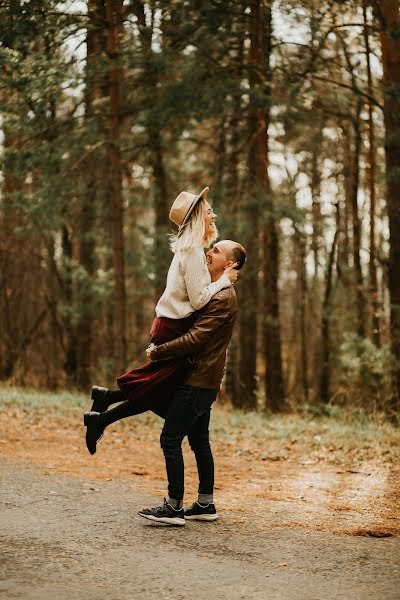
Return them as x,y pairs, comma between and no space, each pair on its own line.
151,386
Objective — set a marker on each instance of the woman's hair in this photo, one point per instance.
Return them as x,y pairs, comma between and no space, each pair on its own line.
192,234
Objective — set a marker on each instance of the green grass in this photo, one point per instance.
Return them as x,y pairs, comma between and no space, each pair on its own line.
30,399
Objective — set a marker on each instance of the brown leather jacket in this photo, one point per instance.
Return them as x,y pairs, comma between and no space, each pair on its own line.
208,340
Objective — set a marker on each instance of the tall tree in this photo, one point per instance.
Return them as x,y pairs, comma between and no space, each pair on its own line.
326,318
154,122
93,176
257,167
232,177
114,19
262,41
371,178
389,19
356,219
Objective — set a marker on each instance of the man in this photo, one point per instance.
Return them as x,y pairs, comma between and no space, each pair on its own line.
189,410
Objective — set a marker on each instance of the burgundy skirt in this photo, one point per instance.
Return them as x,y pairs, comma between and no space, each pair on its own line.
151,386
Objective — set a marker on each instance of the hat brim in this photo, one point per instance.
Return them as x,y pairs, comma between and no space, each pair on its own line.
203,194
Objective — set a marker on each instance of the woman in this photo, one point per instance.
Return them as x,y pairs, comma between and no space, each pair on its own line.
188,289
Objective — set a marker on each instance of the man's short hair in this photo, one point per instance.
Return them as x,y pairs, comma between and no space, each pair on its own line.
238,254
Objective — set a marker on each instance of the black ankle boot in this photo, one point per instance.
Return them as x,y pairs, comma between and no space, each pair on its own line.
94,430
100,403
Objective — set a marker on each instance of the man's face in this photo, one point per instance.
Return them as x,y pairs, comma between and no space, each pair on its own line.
218,258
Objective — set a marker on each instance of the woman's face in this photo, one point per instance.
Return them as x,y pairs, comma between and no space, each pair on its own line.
209,219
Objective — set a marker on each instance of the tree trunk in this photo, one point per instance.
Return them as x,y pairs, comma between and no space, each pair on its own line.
256,168
94,182
274,392
272,334
388,12
11,269
303,319
115,200
231,190
344,242
316,201
153,122
355,180
370,173
325,325
70,365
161,208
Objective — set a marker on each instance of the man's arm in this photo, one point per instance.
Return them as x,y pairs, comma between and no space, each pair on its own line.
212,317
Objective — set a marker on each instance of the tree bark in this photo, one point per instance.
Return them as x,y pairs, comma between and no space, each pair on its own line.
388,14
256,167
94,183
259,192
356,221
316,201
114,200
153,123
274,391
325,325
370,173
11,269
231,187
161,208
303,319
344,242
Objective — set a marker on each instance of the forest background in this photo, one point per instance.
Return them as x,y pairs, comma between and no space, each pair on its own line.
289,111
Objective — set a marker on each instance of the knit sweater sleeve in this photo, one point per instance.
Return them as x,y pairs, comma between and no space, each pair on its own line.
197,280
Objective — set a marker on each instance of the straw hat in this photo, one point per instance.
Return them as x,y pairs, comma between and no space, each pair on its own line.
183,206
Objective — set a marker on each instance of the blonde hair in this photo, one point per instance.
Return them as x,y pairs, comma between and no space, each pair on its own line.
192,234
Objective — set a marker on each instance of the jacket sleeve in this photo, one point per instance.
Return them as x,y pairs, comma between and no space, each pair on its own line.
197,280
214,316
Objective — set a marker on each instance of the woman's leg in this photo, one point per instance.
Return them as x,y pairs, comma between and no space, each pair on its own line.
96,422
103,397
114,396
122,411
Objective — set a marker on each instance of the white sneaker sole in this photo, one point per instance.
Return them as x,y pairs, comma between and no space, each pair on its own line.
166,520
202,517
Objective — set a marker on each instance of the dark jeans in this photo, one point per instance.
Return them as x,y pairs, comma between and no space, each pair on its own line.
188,414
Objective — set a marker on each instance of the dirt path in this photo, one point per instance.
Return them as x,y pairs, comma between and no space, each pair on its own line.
73,538
305,511
293,478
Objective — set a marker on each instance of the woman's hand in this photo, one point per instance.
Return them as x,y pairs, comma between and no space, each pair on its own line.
231,272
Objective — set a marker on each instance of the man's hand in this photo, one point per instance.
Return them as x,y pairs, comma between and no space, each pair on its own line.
149,350
231,272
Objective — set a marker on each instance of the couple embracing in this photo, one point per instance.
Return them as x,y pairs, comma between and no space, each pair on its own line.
189,338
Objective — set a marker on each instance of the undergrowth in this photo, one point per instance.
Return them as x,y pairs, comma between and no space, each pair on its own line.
340,431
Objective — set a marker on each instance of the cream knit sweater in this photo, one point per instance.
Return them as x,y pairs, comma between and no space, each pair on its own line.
189,286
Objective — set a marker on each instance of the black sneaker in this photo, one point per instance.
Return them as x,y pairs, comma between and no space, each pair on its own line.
200,512
164,514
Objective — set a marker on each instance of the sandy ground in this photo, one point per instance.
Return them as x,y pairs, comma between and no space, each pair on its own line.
297,521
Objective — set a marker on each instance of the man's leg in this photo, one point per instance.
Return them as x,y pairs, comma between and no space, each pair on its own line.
181,416
199,440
